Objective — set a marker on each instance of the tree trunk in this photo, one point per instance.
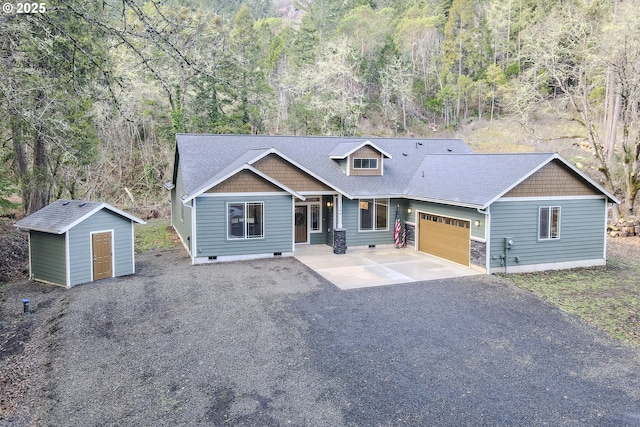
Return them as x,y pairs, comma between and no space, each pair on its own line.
21,163
459,70
611,116
39,185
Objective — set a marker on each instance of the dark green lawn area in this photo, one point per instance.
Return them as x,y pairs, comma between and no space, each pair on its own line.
155,234
607,297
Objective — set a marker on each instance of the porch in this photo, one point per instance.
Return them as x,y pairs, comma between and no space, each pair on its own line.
366,267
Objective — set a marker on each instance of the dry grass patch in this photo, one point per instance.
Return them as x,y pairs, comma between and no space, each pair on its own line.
607,297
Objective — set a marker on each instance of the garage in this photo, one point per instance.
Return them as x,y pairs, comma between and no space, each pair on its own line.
445,237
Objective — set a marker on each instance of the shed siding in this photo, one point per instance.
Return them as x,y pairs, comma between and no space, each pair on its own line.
48,257
582,231
80,245
181,215
211,226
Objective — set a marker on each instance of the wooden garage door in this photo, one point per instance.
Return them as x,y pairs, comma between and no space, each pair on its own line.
445,237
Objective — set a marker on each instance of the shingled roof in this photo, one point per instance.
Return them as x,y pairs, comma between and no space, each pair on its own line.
438,170
62,215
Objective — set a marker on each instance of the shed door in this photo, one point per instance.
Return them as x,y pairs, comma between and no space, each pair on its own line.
445,237
102,262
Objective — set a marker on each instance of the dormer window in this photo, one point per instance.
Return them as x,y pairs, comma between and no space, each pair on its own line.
367,163
360,158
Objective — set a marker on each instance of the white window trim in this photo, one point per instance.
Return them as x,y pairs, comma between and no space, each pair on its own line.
309,218
374,229
246,237
549,225
365,158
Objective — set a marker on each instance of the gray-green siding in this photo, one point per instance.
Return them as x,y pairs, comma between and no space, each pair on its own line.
48,257
582,231
80,259
211,226
458,212
181,214
350,213
355,237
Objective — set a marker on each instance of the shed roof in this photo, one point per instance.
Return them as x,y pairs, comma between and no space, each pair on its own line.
62,215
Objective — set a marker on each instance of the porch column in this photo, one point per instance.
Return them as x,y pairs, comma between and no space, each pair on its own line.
339,210
339,234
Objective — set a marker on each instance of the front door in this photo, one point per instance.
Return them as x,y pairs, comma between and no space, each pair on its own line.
301,224
102,263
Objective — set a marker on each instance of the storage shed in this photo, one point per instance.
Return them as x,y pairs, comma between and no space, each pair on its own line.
74,241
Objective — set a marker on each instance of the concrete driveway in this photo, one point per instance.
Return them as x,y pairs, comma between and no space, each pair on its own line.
366,267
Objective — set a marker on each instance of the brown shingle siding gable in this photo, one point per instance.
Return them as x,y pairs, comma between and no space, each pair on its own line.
245,182
365,152
284,172
553,179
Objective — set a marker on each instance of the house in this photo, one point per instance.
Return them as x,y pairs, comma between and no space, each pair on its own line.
73,242
249,196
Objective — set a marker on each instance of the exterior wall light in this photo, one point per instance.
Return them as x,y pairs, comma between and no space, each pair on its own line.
409,210
476,223
329,204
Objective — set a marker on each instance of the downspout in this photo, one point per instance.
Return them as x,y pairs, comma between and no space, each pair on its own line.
487,235
193,242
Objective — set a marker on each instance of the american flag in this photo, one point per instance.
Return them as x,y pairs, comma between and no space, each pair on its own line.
397,231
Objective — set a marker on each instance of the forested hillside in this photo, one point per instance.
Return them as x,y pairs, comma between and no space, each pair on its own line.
93,92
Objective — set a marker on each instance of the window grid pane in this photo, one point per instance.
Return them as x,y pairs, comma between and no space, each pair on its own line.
549,223
554,223
381,214
366,214
315,217
254,220
236,221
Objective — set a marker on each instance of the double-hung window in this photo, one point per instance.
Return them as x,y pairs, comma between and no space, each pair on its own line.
245,220
549,223
374,214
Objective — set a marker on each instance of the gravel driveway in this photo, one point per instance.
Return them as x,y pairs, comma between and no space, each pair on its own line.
271,343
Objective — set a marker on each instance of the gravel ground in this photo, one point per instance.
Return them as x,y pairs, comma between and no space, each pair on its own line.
271,343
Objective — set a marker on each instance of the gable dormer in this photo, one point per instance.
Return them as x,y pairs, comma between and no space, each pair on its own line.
360,158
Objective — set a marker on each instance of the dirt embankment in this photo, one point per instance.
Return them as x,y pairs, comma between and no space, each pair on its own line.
14,253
